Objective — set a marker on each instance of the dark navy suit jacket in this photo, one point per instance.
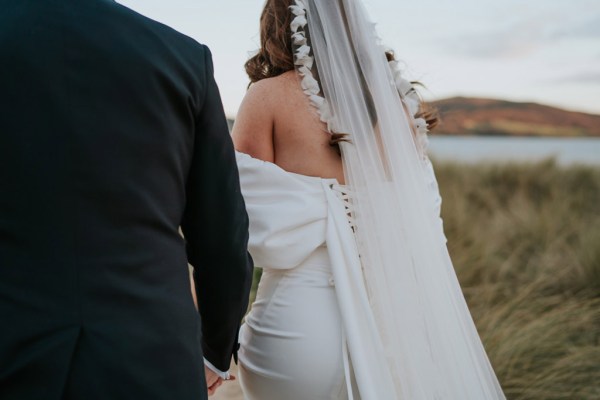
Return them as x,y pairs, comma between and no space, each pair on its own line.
112,138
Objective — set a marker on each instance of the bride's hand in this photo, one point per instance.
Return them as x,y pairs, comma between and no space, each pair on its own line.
213,381
213,389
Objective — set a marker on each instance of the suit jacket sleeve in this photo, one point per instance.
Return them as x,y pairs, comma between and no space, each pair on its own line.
215,225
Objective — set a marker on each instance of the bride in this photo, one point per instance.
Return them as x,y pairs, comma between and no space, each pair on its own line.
358,297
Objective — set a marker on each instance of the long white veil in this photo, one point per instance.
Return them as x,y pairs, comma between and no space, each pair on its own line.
430,345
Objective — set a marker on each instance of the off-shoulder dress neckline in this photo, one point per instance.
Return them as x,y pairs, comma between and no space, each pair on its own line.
280,169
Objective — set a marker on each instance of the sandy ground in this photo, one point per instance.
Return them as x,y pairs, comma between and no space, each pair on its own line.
229,390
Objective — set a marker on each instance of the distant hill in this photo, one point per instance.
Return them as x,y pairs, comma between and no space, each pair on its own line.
486,117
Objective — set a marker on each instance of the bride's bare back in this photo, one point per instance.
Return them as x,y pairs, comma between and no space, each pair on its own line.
277,123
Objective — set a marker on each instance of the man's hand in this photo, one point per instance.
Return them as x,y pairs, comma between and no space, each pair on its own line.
213,381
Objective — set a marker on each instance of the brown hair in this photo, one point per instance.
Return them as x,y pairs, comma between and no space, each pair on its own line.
276,55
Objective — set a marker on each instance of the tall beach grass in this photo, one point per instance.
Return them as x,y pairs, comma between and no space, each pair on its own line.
525,242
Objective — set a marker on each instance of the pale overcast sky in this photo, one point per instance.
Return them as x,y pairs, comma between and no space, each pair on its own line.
546,51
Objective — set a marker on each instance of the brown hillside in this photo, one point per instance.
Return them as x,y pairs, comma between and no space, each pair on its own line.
472,116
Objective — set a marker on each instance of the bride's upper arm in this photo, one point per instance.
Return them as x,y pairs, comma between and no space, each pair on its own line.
253,127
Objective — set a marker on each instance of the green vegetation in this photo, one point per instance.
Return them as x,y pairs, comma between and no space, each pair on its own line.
525,241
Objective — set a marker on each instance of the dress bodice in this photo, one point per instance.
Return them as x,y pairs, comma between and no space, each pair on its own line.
287,211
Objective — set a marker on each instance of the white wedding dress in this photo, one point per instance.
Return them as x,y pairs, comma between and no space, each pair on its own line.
293,341
359,298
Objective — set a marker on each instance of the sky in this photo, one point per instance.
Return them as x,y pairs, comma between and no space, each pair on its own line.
546,51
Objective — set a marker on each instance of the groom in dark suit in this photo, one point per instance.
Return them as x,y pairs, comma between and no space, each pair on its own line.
112,138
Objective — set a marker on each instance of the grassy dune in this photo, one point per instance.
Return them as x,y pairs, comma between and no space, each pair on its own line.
525,240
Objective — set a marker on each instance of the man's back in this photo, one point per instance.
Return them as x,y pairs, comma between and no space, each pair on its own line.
99,116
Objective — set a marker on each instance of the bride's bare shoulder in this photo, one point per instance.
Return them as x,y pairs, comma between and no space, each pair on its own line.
292,103
270,96
275,95
253,127
265,95
280,85
277,101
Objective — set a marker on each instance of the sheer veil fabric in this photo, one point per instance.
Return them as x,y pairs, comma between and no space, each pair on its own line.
423,343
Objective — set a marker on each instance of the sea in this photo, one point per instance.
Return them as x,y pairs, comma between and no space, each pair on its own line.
473,149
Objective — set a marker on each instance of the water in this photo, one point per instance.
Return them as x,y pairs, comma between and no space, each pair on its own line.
472,149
